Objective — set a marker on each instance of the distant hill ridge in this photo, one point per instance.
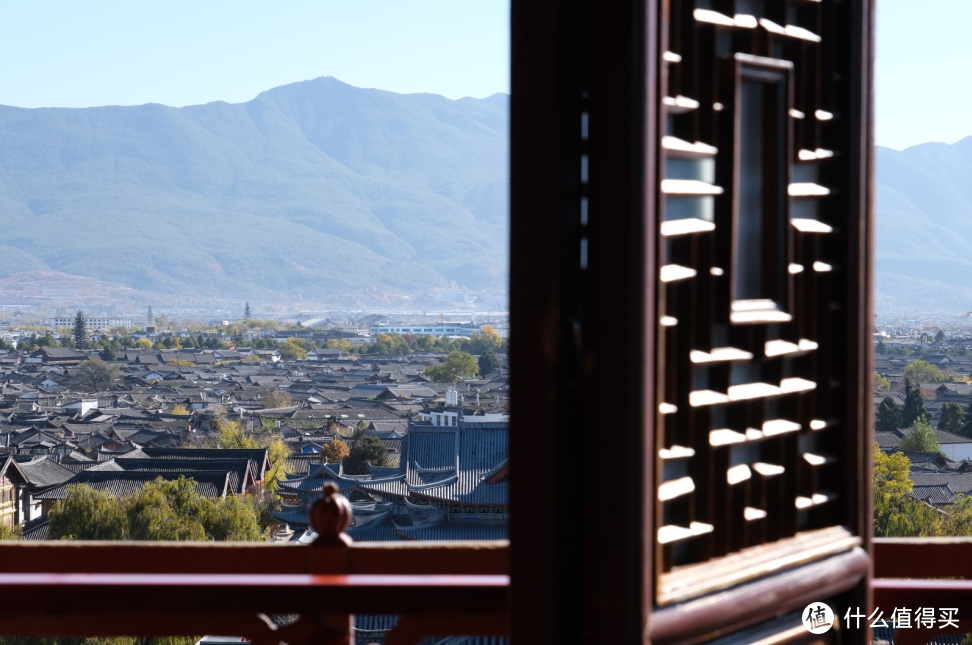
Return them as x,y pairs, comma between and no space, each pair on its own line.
310,190
924,228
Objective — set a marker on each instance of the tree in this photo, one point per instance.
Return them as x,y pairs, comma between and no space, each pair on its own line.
952,417
161,510
148,315
144,343
896,513
246,312
107,353
881,384
80,331
914,406
97,374
291,351
87,514
880,347
334,451
14,532
888,415
940,336
230,434
456,366
277,453
488,363
967,422
274,398
923,372
367,450
920,438
179,409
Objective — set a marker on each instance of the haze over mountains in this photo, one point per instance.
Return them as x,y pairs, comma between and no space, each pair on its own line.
924,229
310,190
326,192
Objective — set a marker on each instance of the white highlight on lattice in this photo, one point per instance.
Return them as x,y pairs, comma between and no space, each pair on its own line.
675,488
738,474
673,533
750,514
810,225
686,226
673,272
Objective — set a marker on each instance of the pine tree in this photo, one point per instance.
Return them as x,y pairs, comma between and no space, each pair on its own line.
966,429
246,312
888,415
80,333
952,417
914,406
148,315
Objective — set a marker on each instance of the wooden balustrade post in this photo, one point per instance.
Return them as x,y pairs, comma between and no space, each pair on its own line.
330,516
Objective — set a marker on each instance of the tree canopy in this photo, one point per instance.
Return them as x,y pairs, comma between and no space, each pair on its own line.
456,366
914,407
97,374
80,332
888,415
334,451
923,372
488,363
953,417
367,449
161,510
920,438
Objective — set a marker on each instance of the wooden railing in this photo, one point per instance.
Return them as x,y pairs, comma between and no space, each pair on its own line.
913,573
172,589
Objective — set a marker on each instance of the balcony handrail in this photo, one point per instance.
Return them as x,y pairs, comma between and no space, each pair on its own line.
159,589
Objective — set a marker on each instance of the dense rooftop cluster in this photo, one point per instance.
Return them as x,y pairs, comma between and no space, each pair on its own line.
442,475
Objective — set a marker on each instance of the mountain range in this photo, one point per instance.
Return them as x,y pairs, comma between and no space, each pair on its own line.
323,191
923,255
309,191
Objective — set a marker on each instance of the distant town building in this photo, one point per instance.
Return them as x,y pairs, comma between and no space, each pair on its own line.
94,322
439,329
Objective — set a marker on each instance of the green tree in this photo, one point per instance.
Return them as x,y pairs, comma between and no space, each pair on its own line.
167,510
367,449
896,513
888,415
290,350
14,532
914,406
246,312
940,336
80,331
488,363
148,315
966,430
97,374
87,514
920,438
107,353
923,372
952,417
456,366
880,347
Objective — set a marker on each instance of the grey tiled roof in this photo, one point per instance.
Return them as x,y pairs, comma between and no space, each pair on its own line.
212,485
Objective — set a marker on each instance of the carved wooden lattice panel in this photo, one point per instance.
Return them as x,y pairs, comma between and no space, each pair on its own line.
752,319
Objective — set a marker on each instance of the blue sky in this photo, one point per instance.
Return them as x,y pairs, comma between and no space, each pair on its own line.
68,53
923,83
180,52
